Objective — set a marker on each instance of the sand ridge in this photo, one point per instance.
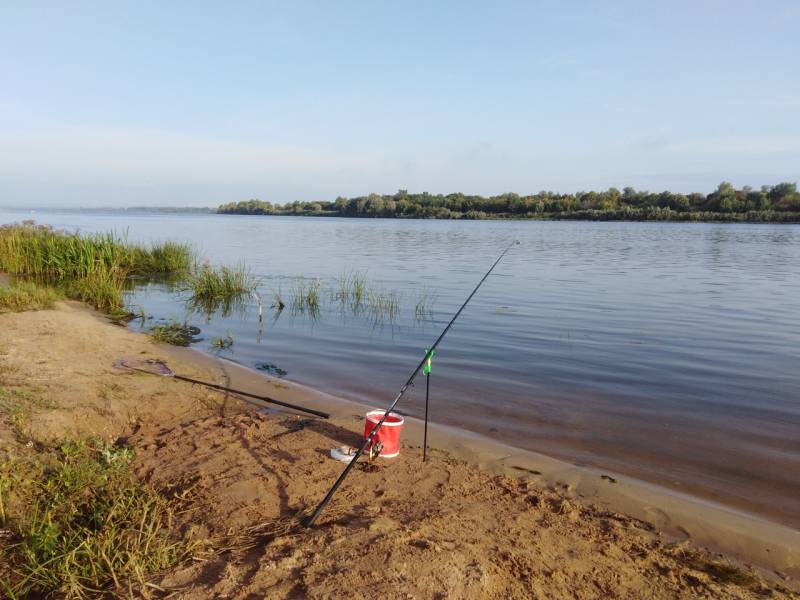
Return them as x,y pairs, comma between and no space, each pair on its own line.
397,529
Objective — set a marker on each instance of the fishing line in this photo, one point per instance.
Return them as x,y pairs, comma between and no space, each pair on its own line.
308,521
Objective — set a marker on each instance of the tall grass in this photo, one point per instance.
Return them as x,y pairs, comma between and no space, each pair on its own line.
92,268
41,251
81,523
102,289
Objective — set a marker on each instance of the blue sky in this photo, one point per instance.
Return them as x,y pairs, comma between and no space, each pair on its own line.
193,103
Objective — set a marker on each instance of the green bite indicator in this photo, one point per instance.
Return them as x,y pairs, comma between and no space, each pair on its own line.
426,368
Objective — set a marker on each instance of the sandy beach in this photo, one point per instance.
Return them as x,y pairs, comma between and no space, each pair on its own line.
477,520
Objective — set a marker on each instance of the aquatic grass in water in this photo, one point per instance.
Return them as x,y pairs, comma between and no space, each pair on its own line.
222,343
175,333
383,306
351,289
423,310
81,523
27,295
218,288
306,297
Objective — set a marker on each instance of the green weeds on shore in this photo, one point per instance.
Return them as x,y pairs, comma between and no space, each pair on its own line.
40,251
92,268
27,295
80,523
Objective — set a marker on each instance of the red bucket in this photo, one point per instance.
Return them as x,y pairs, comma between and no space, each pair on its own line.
389,433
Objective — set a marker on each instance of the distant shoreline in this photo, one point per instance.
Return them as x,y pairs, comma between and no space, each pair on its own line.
756,217
771,204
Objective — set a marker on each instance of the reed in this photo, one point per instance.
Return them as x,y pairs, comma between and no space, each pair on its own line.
92,268
38,250
81,523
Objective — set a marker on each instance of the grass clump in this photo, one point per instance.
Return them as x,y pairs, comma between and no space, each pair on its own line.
164,258
221,287
27,295
80,523
351,289
175,333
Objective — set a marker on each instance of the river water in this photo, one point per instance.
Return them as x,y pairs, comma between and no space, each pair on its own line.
665,351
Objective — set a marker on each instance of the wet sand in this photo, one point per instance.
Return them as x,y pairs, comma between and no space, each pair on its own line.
478,520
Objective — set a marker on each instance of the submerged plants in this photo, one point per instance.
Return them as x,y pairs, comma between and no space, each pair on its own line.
175,333
222,343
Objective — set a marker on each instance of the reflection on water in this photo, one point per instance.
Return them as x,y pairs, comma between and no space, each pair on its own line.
667,351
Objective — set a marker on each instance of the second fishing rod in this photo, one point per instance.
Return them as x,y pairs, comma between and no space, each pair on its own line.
308,521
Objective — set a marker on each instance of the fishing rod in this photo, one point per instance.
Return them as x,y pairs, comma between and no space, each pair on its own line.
308,521
165,371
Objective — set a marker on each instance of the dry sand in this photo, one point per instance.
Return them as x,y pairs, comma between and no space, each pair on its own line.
476,521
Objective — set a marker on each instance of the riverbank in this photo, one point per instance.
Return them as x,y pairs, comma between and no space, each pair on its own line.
478,520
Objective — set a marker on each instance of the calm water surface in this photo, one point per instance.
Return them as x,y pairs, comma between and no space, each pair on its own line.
670,352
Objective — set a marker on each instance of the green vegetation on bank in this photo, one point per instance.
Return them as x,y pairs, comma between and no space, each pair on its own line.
80,523
92,268
778,203
40,251
27,295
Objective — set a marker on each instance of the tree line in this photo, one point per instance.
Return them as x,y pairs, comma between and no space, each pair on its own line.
777,203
